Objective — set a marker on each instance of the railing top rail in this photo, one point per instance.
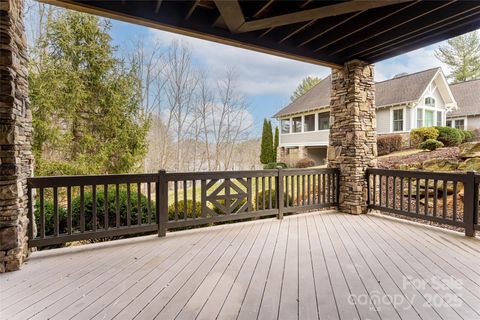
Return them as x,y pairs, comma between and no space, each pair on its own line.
171,176
310,171
436,175
66,181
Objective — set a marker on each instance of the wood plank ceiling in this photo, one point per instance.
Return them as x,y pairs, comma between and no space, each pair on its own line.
322,32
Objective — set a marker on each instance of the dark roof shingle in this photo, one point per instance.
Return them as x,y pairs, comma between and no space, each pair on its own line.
403,89
467,95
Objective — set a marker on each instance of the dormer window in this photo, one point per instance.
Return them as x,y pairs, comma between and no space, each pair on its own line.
429,101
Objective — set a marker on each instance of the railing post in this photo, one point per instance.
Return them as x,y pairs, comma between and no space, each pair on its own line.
469,204
279,193
162,203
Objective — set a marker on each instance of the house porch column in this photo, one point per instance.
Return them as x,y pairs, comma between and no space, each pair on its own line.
16,158
353,138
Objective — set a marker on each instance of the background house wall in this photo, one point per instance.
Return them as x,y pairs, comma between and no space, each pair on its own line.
313,138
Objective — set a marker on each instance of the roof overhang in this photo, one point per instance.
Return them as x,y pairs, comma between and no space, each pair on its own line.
327,33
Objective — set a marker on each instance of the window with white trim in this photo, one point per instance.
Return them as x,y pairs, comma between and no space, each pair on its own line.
419,117
428,120
449,123
439,118
309,123
285,125
460,124
297,124
398,120
324,121
429,101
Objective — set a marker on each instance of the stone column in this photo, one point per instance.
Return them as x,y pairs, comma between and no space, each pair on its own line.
302,152
353,137
16,158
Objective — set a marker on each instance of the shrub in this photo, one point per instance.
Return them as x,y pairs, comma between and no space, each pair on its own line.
88,211
305,163
431,144
275,165
181,205
274,200
469,136
450,137
419,135
111,201
49,218
389,144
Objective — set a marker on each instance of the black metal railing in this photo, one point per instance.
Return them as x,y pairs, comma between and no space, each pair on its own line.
73,208
446,198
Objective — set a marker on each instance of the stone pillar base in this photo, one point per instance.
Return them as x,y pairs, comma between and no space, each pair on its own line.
16,158
353,138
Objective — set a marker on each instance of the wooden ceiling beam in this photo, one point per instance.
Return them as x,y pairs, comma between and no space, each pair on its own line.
394,24
265,6
469,25
358,29
157,7
311,14
473,13
231,13
321,33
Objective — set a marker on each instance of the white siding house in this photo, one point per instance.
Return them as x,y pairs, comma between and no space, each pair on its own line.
405,102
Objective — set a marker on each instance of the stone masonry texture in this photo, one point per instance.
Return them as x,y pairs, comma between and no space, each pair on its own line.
16,160
353,138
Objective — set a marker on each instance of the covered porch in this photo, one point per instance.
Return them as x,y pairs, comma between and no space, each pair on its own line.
320,265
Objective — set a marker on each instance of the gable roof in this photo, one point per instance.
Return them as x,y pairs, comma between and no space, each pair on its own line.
399,90
467,95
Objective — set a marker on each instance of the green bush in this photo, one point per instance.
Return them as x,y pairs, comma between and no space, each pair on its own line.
419,135
49,218
469,136
88,211
389,144
275,165
450,137
305,163
111,201
431,144
190,206
259,199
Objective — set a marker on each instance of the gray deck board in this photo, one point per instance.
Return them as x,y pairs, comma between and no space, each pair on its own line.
323,265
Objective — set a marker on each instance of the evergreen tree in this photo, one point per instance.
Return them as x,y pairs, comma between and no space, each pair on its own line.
266,149
87,109
275,144
306,84
462,55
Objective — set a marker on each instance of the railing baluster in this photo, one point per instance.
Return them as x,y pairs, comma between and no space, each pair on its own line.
426,197
249,195
117,205
263,194
454,201
82,209
394,193
374,190
417,197
42,213
194,199
105,207
55,212
30,212
129,214
387,191
185,200
445,195
380,193
139,203
94,207
257,202
324,188
287,192
175,198
149,204
69,210
298,190
402,186
435,197
314,187
409,204
203,198
270,193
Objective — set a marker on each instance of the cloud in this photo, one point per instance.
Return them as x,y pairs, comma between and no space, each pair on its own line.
413,61
258,73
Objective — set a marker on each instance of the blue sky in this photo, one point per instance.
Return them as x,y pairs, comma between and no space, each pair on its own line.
266,80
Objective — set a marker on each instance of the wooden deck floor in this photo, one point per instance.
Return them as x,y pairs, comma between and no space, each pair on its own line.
309,266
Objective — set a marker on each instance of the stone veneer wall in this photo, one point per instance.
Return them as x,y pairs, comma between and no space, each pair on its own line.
16,160
353,137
